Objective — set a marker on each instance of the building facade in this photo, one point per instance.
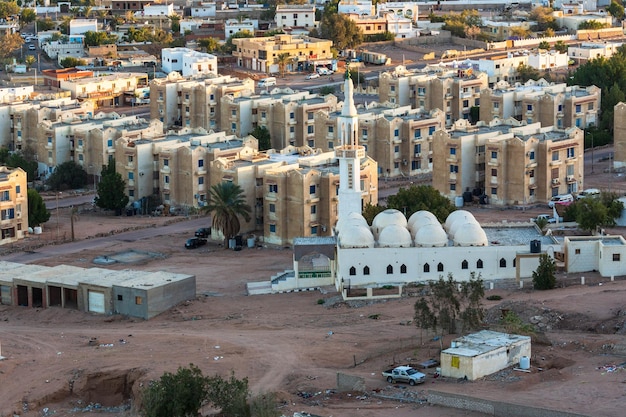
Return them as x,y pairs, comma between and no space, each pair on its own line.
13,205
188,62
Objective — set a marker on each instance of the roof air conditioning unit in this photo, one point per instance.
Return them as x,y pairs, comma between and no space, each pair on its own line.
555,180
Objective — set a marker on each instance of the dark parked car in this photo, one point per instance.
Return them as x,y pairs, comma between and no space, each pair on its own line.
194,242
203,232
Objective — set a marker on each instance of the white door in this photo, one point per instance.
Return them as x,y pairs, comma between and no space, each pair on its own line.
96,302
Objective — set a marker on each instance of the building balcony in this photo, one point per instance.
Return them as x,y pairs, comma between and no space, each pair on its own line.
493,162
555,163
130,166
131,183
201,171
350,151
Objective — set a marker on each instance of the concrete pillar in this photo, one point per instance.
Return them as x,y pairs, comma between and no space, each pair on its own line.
521,284
612,278
491,285
582,280
370,292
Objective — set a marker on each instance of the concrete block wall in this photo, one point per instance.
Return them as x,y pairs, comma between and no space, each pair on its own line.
347,383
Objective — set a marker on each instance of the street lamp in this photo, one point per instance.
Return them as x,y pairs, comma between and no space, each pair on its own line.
591,134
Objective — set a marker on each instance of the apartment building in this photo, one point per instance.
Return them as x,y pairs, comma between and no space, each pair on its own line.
53,77
106,90
369,24
288,116
454,91
550,104
498,30
181,102
188,62
592,50
619,135
509,162
233,26
13,204
295,15
399,139
260,54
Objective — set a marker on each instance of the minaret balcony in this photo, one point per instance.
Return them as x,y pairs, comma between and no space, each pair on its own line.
350,151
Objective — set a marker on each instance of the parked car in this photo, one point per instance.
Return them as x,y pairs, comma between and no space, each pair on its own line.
31,47
589,192
548,218
563,199
203,232
195,242
312,76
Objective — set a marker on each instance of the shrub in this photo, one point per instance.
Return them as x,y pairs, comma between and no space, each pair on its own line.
494,297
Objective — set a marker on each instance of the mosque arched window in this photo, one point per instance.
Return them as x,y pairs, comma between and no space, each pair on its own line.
464,264
366,270
502,263
426,268
439,267
352,270
479,264
389,269
514,262
403,269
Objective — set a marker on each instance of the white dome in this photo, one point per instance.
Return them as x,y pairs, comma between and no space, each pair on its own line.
452,217
352,219
394,236
356,236
421,218
458,223
431,235
470,234
386,218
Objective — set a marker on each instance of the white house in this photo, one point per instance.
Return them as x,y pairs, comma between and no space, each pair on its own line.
591,50
359,7
404,9
295,15
203,10
188,62
156,10
232,26
548,60
400,26
80,26
74,47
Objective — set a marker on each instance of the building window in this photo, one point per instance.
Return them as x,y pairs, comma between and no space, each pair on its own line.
514,262
313,230
166,162
109,143
313,209
417,134
494,172
529,107
431,130
200,180
331,129
616,257
577,251
464,264
578,108
570,152
131,176
352,270
292,116
555,155
454,169
502,263
479,264
18,189
389,269
131,193
439,267
426,268
273,188
452,151
138,300
166,179
120,298
310,130
452,187
310,115
494,191
366,270
494,154
396,133
531,155
272,208
403,269
272,228
416,165
233,126
200,163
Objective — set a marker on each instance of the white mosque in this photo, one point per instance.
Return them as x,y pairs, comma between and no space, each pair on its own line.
360,259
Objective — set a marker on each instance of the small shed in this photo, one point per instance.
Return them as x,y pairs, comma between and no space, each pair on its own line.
95,290
6,282
483,353
28,289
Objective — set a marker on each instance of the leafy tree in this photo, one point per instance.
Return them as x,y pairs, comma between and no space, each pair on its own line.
471,32
175,23
520,32
471,294
29,61
339,28
99,38
20,159
380,37
591,25
548,33
71,62
45,24
591,213
263,136
526,72
459,23
370,211
544,18
210,44
616,10
544,277
176,395
226,205
38,214
68,175
229,395
264,405
8,9
9,43
283,60
422,197
111,189
561,47
27,16
544,45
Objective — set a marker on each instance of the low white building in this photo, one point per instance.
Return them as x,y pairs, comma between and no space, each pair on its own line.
232,26
400,26
548,60
295,15
156,10
192,24
81,26
406,9
592,50
483,353
203,10
15,94
605,254
188,62
359,7
74,47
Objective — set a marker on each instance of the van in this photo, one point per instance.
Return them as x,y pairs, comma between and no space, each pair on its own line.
267,82
589,192
564,199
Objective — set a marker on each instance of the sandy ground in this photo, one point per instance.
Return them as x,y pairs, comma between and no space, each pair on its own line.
63,362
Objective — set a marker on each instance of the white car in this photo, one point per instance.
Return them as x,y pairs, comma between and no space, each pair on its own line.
589,192
31,47
564,199
312,76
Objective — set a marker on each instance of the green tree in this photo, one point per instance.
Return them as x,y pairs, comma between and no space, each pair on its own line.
9,43
616,10
71,62
526,72
283,60
45,24
591,213
38,214
175,23
29,61
544,277
20,159
229,46
8,9
339,28
544,45
421,197
263,136
591,25
561,47
27,16
210,44
471,294
176,395
111,189
226,205
370,211
68,175
229,395
99,38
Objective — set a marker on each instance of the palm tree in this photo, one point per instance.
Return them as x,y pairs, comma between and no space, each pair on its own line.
283,60
29,61
87,10
226,204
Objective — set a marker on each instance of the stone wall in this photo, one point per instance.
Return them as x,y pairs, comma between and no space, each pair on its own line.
347,383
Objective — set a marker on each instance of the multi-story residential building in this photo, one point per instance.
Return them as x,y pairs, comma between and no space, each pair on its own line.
592,50
399,139
357,7
295,15
509,162
72,46
406,9
288,116
400,26
502,30
550,104
454,91
106,90
233,26
177,101
13,204
369,24
188,62
619,135
203,10
53,77
260,54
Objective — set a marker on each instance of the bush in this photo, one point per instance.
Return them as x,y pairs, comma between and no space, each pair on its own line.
494,297
320,301
544,277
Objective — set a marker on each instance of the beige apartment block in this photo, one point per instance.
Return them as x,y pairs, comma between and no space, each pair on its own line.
13,204
550,104
397,138
289,116
454,91
194,103
175,167
510,162
106,90
619,135
295,191
369,25
260,54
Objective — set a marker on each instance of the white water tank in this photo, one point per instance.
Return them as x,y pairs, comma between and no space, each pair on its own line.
524,362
